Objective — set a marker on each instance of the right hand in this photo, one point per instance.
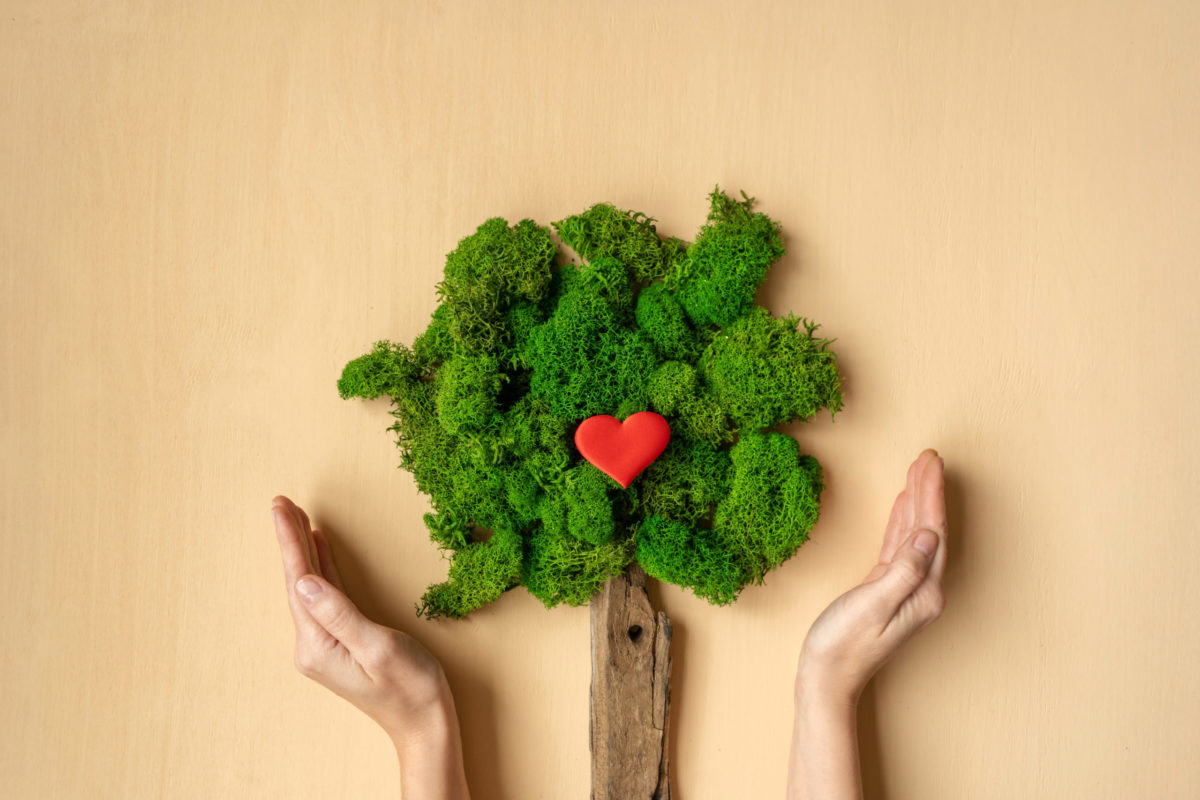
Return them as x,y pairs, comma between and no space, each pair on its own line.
901,594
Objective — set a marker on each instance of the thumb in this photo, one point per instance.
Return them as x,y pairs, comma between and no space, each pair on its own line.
908,568
336,613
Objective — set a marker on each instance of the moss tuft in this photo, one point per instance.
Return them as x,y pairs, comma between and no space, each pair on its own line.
717,280
772,502
388,369
665,323
564,569
436,344
487,272
581,506
700,559
479,573
629,237
467,389
586,359
685,482
766,371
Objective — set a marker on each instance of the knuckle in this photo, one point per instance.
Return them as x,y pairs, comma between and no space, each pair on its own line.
937,604
307,664
381,652
860,606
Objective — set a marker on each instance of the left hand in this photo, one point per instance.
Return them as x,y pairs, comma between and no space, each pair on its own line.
385,673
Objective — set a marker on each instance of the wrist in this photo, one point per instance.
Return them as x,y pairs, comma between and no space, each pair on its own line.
429,750
430,725
824,757
822,688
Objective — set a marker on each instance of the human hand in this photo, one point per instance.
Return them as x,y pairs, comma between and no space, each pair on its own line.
901,594
385,673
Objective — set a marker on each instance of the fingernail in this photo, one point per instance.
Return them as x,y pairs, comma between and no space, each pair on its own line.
926,542
309,589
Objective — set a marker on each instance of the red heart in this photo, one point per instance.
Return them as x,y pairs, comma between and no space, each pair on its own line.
622,450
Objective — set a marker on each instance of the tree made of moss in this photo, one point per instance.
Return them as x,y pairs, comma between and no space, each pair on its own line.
522,349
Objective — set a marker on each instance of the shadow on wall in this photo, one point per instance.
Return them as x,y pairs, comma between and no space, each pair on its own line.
479,741
874,767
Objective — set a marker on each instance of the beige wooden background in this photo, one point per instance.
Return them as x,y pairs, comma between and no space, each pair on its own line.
208,208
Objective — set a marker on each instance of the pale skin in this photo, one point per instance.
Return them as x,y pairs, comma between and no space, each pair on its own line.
399,684
860,630
385,673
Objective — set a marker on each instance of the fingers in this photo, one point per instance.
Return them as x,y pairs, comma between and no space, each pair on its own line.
295,564
325,561
341,619
904,518
302,525
907,571
910,489
296,561
929,508
893,534
932,513
915,486
318,556
308,538
892,538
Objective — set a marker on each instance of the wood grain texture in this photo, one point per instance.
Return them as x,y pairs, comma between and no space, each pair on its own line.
208,208
630,695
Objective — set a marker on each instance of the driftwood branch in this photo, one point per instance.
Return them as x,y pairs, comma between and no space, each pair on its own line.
631,692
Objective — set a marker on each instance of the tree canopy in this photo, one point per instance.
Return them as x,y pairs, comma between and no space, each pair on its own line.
521,349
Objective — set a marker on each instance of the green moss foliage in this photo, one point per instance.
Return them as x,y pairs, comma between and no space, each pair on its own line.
468,387
766,371
685,482
629,237
479,573
388,369
665,324
487,272
563,569
525,345
716,281
705,560
772,501
587,358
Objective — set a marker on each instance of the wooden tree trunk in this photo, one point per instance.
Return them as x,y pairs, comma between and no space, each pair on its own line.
631,692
